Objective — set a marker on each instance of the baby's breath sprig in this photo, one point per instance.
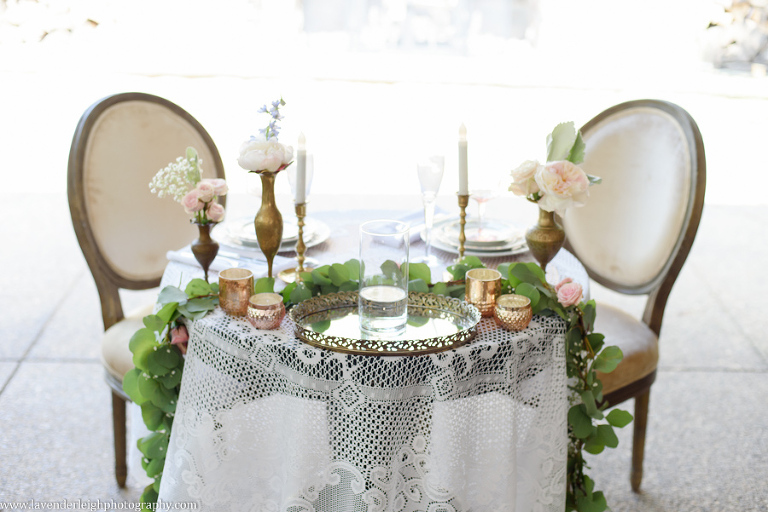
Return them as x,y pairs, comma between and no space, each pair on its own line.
272,130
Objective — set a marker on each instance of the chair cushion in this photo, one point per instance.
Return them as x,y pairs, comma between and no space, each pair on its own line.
638,343
115,354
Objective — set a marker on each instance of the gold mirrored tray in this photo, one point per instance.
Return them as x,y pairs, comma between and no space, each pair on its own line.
435,323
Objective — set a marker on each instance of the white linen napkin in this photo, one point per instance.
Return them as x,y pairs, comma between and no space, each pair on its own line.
258,267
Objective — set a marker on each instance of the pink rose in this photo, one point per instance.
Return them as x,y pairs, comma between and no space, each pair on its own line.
191,202
219,186
180,337
205,191
215,212
523,178
562,185
568,292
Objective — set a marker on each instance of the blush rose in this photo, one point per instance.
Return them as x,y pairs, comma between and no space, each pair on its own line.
562,185
568,292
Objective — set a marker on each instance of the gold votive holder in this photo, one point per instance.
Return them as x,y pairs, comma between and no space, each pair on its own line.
235,288
266,310
483,286
513,312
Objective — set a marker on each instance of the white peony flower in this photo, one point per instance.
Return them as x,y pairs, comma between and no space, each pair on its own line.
264,155
562,185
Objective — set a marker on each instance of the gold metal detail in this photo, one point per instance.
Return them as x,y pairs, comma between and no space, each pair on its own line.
268,222
342,306
463,202
545,238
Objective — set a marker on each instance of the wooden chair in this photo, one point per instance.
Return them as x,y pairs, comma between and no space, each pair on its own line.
635,232
123,229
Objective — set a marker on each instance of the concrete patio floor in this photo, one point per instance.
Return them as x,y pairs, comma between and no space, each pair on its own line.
707,446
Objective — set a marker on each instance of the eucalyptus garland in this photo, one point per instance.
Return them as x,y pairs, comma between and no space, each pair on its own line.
157,354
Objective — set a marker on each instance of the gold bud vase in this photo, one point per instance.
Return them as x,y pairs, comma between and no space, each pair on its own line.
268,222
545,238
205,248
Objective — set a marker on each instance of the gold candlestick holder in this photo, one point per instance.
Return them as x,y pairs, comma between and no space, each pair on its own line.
463,202
294,274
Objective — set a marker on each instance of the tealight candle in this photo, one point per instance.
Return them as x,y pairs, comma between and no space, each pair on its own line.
266,310
513,312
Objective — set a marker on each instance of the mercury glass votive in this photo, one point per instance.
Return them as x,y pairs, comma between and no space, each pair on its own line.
266,310
513,312
482,289
235,286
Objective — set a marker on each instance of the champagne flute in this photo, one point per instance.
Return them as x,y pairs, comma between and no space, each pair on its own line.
430,172
482,196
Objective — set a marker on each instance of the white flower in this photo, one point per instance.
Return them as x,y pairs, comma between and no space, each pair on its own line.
264,155
523,178
562,185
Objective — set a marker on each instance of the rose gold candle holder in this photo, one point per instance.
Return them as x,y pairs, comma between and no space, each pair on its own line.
482,288
463,202
513,312
266,310
235,287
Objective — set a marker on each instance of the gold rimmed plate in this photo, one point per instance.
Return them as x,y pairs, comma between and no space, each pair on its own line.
435,323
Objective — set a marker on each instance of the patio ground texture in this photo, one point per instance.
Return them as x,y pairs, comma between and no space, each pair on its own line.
707,446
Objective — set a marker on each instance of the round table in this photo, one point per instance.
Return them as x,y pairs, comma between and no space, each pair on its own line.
266,422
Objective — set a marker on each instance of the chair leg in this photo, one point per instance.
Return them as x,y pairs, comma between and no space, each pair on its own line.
638,443
118,427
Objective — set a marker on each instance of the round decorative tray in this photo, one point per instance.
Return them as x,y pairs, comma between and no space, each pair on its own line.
435,323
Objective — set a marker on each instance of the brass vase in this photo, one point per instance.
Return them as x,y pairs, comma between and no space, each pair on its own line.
545,238
268,222
205,248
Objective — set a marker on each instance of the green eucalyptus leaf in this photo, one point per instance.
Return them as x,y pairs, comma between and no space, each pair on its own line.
131,386
172,294
155,467
154,366
154,323
589,312
191,315
593,444
166,399
152,416
529,291
306,278
339,274
608,359
457,291
576,155
353,266
156,484
168,356
300,293
264,285
349,286
325,289
616,417
149,496
147,386
417,321
201,304
591,407
606,434
504,270
596,341
319,278
524,274
215,288
197,287
596,503
560,141
580,422
418,285
419,271
440,289
141,338
154,445
171,379
286,292
141,355
168,312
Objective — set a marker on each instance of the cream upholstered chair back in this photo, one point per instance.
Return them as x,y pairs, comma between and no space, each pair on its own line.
639,223
125,231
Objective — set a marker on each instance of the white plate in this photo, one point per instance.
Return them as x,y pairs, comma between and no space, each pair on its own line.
237,237
510,247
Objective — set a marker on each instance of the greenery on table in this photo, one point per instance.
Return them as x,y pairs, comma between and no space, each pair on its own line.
154,383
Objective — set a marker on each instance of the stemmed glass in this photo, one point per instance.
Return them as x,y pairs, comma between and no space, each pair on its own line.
430,171
482,196
310,172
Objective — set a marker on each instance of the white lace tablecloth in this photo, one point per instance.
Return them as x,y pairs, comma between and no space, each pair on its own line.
268,423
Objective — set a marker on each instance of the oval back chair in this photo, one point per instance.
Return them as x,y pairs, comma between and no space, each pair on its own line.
635,233
123,229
